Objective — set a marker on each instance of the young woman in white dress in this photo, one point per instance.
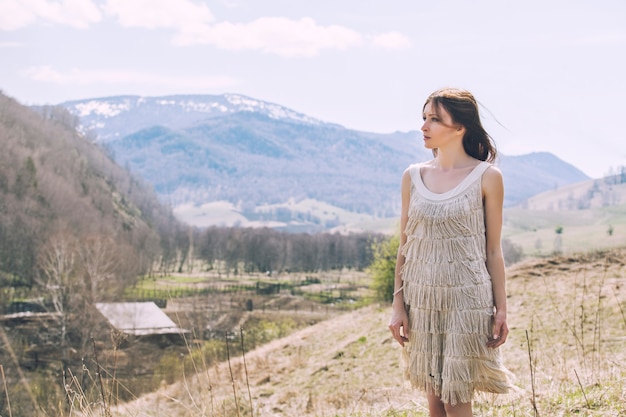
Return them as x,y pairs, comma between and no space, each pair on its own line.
449,304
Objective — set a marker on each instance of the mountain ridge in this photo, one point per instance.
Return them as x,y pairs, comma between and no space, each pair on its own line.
200,149
91,111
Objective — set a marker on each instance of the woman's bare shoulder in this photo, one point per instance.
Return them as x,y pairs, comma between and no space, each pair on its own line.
492,173
492,181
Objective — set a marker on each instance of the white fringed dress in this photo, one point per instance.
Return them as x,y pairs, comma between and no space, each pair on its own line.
448,293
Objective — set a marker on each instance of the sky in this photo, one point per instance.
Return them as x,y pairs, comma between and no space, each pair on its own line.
549,74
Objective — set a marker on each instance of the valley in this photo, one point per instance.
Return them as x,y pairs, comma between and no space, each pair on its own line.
79,230
567,321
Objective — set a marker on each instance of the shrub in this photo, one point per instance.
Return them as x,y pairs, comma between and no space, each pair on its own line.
512,253
383,268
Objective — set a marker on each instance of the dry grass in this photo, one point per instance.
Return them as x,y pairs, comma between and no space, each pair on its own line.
567,347
568,326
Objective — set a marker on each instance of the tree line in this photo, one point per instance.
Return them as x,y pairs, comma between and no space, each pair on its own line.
235,250
58,185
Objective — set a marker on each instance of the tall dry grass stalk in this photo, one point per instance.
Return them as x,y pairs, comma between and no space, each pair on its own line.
204,369
232,379
6,391
582,389
579,338
597,328
621,310
16,363
245,367
583,317
533,399
117,338
78,399
105,404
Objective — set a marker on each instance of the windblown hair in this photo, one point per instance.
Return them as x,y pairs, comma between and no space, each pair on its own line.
463,108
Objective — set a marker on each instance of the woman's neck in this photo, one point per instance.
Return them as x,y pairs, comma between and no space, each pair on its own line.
448,159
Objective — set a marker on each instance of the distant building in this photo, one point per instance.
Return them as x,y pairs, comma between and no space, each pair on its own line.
139,319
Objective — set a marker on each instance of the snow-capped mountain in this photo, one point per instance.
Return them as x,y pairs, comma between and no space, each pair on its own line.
115,117
271,165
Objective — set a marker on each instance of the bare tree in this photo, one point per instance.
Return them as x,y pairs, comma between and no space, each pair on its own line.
57,263
105,265
99,263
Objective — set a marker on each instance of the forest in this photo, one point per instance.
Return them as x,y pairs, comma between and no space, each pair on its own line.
70,216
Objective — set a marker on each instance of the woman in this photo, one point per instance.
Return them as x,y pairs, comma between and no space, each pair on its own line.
449,304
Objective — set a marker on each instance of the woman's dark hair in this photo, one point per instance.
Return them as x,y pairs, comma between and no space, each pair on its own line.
463,108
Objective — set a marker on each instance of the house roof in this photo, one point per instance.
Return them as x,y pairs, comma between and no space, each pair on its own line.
138,319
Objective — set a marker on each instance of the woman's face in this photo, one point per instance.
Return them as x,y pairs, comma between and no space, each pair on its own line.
438,129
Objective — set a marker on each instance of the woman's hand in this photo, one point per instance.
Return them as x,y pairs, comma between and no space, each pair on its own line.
399,323
500,330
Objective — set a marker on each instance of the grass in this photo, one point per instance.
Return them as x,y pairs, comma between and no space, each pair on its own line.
532,224
176,280
567,348
567,322
345,289
583,230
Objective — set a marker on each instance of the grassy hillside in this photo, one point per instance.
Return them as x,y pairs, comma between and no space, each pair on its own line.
566,348
592,215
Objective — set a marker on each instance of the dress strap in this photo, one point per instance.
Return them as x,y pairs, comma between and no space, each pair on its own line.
472,177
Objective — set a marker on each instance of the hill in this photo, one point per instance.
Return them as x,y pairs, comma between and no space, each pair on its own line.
588,215
54,181
527,175
566,316
232,159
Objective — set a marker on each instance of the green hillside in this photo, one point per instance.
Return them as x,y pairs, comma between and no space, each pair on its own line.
590,215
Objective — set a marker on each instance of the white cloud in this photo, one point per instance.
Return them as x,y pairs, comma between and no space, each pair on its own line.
194,24
14,15
391,40
276,35
181,15
79,77
76,13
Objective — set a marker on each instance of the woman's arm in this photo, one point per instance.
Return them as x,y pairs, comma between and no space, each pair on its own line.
493,194
399,323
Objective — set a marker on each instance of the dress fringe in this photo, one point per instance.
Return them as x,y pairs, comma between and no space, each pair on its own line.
449,295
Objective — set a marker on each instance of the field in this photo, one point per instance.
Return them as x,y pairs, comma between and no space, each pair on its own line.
591,216
567,349
213,307
582,230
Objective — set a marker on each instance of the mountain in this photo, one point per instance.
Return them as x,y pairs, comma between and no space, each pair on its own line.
530,174
271,165
54,182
